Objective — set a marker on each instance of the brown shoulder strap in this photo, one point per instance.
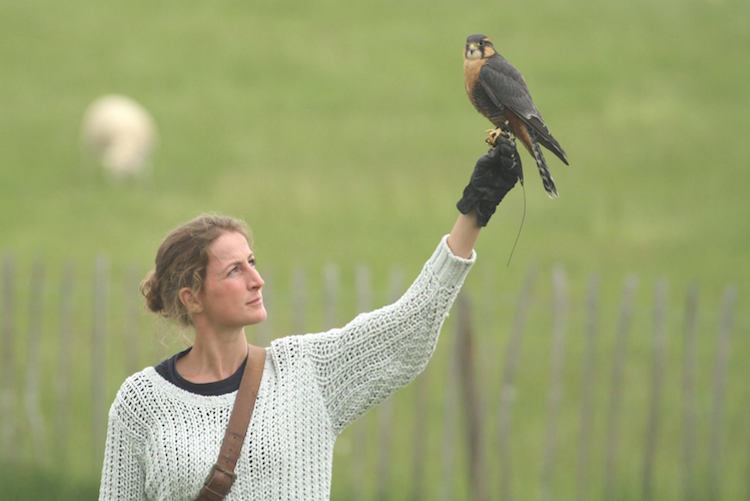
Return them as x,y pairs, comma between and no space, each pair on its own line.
222,476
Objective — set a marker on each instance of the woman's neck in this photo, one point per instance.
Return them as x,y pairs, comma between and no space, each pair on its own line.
213,357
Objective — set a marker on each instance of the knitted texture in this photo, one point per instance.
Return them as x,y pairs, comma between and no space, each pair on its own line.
162,440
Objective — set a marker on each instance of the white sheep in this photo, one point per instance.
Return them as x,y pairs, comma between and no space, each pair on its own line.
119,134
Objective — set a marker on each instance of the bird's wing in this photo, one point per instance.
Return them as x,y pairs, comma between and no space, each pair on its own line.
506,87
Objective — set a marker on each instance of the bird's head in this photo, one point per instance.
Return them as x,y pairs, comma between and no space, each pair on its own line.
478,47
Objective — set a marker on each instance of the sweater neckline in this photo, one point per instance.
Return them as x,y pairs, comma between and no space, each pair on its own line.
168,370
171,390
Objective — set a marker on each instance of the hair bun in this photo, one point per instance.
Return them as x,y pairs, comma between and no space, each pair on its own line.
151,291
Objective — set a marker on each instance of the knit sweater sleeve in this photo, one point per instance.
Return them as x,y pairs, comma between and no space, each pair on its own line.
123,475
362,363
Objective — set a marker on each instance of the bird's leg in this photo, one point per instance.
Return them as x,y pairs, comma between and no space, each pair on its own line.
493,134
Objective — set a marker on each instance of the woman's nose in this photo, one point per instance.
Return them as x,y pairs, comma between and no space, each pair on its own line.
255,281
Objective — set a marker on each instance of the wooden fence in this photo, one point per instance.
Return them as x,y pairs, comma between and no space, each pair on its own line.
455,432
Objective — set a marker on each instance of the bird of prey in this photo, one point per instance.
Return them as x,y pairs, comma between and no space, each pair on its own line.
498,91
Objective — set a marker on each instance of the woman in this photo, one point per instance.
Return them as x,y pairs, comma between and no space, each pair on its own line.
167,422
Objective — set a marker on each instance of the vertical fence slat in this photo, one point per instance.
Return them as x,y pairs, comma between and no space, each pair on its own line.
363,292
385,439
419,430
33,367
7,384
98,353
132,336
470,404
657,378
65,349
331,287
507,390
450,424
720,372
615,395
557,359
299,300
385,410
688,391
587,407
363,287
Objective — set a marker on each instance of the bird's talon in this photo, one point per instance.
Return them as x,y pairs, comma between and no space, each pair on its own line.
493,134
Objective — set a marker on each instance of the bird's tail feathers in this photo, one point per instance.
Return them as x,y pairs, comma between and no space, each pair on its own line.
542,134
551,144
549,184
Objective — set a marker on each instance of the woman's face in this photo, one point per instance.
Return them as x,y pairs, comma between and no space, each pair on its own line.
231,296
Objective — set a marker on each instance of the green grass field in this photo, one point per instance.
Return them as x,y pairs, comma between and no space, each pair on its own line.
341,132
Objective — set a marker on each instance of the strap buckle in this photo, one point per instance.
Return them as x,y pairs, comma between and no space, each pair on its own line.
216,468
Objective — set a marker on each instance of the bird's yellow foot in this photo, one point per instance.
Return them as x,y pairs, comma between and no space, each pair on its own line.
493,134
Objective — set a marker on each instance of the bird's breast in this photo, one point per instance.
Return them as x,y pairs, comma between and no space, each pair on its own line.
478,96
471,74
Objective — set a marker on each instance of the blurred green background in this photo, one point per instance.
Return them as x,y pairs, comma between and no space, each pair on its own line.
342,133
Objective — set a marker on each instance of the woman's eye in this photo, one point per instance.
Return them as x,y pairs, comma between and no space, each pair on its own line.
251,262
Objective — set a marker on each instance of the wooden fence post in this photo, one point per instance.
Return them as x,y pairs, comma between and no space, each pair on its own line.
131,331
450,424
507,390
65,350
559,283
657,378
688,390
99,353
589,372
385,439
7,368
363,288
363,291
418,433
385,409
720,372
615,396
299,300
470,400
33,366
331,279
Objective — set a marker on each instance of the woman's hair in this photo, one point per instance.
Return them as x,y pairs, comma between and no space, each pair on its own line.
181,262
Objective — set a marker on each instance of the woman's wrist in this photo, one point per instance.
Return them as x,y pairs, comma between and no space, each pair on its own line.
464,235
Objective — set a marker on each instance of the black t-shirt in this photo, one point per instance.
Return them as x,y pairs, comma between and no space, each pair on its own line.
167,370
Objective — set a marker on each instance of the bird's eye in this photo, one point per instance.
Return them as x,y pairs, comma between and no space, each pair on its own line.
481,43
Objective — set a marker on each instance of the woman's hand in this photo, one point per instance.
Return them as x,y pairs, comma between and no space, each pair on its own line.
495,173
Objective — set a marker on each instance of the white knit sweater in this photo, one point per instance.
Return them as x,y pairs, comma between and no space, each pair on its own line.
162,440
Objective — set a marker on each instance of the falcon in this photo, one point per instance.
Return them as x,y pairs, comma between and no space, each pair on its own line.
498,91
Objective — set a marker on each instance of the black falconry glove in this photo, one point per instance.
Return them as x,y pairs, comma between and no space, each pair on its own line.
495,173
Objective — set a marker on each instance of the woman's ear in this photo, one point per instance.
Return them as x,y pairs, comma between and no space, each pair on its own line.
189,298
